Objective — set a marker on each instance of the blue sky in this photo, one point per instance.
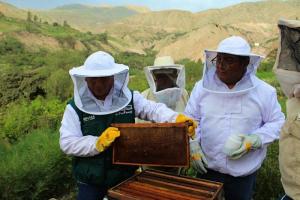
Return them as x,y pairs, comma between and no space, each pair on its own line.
191,5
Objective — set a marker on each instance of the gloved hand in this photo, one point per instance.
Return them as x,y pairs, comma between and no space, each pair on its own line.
106,138
192,124
198,159
251,141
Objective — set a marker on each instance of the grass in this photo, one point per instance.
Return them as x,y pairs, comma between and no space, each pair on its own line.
9,25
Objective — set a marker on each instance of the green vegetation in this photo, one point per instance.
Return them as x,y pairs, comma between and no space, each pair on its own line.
193,72
35,86
24,117
35,168
67,36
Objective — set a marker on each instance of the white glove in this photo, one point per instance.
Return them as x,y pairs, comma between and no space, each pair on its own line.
248,142
198,159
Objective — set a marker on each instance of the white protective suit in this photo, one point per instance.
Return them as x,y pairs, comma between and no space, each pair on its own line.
175,97
101,64
250,107
287,69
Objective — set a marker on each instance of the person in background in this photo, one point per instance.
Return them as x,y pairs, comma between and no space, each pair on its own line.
101,97
287,69
166,82
238,116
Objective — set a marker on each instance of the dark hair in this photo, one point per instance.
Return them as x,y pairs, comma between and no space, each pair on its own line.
245,59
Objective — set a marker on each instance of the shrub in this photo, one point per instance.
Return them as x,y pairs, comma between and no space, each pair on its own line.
55,24
266,66
32,27
103,37
67,41
10,45
20,119
193,71
59,85
135,60
1,15
35,168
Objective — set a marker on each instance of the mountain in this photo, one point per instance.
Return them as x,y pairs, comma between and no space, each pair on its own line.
82,17
181,34
35,36
139,9
86,18
184,34
12,11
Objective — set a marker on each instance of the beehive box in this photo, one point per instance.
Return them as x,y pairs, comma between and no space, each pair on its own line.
154,185
152,144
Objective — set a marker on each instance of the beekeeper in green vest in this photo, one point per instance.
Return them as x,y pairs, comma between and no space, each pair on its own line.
287,69
101,97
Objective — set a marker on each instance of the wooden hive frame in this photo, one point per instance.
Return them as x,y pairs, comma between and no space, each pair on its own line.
152,144
153,185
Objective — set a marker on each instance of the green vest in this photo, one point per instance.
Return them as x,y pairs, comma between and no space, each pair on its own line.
99,169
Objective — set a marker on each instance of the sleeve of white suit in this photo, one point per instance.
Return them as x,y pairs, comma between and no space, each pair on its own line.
152,111
71,141
273,120
192,108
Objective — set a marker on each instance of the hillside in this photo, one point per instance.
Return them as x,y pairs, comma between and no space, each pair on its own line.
12,11
36,35
82,17
185,35
181,34
86,18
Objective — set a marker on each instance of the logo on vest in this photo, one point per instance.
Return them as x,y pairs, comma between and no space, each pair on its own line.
126,110
89,118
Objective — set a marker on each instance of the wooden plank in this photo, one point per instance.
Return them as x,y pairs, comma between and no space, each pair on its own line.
181,179
152,144
160,193
176,187
155,185
193,182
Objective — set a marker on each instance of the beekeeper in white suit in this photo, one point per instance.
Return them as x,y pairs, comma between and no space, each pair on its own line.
167,83
101,97
238,116
287,69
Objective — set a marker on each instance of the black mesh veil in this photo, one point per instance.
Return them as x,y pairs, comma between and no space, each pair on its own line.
290,48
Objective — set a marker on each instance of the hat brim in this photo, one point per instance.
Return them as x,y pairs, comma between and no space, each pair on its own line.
83,72
175,66
232,53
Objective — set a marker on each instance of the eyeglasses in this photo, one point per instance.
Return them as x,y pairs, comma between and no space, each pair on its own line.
225,60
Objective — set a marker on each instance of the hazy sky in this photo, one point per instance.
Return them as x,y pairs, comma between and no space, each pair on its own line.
191,5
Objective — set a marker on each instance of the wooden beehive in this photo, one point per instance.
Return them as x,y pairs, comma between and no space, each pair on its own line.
152,144
154,185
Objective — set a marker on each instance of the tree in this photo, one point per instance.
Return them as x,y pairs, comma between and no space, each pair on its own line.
66,24
35,18
29,16
1,14
103,37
